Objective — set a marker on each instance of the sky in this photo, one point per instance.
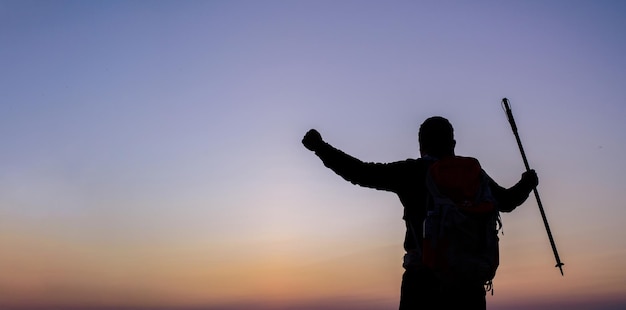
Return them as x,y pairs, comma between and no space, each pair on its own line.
152,159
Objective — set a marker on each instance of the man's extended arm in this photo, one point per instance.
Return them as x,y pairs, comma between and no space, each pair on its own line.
374,175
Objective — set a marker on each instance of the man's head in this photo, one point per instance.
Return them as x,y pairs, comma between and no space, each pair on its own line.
436,137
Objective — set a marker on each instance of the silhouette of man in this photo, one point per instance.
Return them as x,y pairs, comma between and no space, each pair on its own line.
421,287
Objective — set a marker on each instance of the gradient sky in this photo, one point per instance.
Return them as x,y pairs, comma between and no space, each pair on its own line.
151,150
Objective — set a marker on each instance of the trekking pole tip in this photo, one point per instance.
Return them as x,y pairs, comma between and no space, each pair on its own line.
560,265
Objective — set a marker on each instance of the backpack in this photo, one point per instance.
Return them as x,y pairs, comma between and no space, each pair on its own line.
460,231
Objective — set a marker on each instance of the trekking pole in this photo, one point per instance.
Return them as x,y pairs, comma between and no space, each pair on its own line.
509,114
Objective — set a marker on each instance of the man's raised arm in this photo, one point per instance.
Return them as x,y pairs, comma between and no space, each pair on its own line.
374,175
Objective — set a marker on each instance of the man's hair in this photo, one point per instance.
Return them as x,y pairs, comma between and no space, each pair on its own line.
436,136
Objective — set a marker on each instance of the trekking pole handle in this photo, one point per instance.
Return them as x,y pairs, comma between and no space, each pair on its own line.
509,113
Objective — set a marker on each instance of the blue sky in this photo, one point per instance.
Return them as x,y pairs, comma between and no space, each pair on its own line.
155,146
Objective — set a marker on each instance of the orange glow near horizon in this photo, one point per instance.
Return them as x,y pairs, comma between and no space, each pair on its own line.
44,270
47,270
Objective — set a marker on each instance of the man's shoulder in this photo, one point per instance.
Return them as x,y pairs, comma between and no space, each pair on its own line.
460,160
410,164
410,161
